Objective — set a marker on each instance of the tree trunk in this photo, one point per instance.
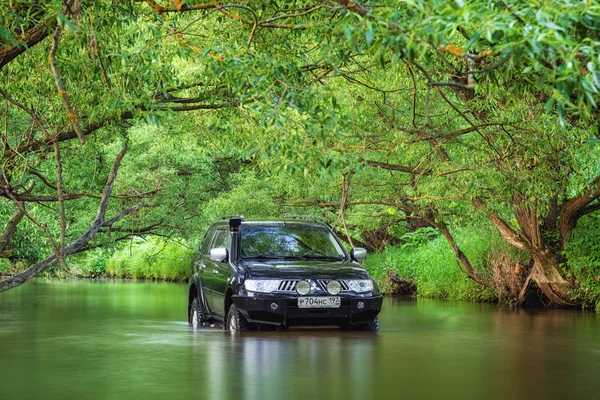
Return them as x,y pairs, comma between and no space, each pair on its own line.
549,279
462,259
528,237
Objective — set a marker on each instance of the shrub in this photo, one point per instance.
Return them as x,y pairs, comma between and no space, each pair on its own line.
583,258
427,259
155,259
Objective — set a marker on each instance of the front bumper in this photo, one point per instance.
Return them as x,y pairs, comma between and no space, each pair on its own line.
257,309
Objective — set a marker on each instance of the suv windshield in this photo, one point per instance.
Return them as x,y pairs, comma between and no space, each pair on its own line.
289,241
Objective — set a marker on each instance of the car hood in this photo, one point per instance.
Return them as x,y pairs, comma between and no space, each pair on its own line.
305,270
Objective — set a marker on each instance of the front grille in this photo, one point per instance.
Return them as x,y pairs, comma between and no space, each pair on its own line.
324,283
287,286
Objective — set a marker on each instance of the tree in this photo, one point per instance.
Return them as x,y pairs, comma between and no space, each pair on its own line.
440,111
86,72
486,108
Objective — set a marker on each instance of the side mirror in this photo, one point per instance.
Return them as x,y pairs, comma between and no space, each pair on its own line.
218,254
358,254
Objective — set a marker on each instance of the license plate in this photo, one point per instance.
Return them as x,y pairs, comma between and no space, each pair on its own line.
320,302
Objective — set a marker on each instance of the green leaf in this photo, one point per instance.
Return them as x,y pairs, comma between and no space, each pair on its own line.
370,34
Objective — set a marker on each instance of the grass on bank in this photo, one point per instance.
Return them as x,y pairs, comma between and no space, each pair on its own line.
427,259
583,258
153,259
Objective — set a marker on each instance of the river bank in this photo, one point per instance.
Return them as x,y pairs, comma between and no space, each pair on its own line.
424,258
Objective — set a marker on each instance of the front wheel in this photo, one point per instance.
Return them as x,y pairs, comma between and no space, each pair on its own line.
196,319
235,321
372,325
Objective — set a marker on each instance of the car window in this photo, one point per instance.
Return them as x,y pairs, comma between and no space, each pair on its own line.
206,241
289,241
222,239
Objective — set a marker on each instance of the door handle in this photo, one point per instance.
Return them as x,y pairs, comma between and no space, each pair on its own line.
215,271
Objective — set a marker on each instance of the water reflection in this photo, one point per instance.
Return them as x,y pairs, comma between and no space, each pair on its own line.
130,340
321,364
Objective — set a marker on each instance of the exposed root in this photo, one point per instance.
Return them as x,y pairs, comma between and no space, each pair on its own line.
509,276
399,285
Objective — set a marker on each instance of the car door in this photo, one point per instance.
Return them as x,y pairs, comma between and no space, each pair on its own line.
219,272
201,266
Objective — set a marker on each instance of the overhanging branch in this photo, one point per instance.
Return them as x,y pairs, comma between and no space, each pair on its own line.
505,230
80,242
401,168
30,38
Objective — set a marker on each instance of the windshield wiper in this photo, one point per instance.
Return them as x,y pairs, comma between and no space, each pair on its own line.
263,258
328,258
299,257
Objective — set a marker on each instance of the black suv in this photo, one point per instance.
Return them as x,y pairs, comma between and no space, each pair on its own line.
277,273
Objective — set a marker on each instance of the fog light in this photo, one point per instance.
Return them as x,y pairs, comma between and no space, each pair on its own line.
274,306
360,305
303,288
334,287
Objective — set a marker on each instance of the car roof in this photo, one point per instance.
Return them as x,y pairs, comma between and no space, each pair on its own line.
272,222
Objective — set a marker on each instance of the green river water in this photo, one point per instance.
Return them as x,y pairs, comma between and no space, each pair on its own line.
131,340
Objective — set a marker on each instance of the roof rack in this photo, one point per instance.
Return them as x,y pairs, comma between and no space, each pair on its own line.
301,217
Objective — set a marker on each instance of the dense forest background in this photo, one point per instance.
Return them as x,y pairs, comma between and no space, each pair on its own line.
456,141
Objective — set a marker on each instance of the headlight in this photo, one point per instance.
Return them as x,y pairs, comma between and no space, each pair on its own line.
303,287
334,287
263,285
360,286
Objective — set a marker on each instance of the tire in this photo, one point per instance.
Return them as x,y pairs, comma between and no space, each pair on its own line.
235,321
196,319
373,325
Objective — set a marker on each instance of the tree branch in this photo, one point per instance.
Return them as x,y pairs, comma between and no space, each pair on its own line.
353,7
30,38
80,242
67,135
401,168
62,93
182,7
507,232
576,207
125,213
11,228
590,209
61,200
463,260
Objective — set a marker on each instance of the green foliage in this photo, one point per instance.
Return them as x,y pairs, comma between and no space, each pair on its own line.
419,237
583,256
154,259
431,264
4,265
89,264
464,100
249,196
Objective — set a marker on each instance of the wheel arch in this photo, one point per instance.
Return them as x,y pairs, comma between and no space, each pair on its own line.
192,293
228,301
195,290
